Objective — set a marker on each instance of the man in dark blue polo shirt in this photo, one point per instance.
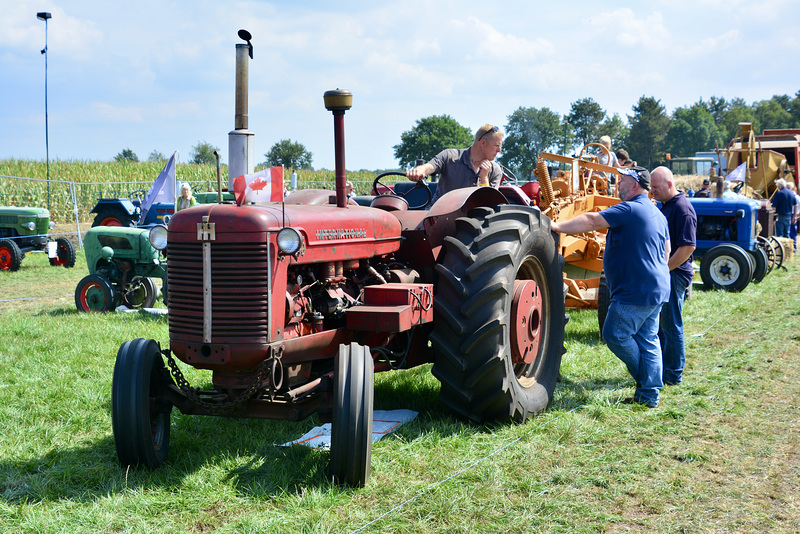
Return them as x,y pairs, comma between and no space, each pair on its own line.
682,224
468,167
635,263
783,201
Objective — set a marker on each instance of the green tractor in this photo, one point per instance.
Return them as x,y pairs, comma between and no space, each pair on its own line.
122,265
24,230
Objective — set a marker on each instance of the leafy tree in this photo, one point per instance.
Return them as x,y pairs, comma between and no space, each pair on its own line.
430,136
773,113
794,110
737,112
203,154
692,130
585,117
617,130
126,155
529,132
648,133
155,155
290,154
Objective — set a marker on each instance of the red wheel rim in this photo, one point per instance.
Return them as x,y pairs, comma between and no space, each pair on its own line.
88,296
111,221
527,310
5,259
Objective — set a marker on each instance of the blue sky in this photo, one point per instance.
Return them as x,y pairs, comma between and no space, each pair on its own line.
159,75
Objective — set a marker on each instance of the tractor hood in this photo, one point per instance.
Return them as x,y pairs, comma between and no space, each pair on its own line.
330,233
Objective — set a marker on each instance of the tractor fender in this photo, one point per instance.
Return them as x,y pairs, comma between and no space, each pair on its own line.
105,203
441,219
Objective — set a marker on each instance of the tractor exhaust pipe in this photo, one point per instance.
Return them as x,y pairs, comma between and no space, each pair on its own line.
338,101
240,140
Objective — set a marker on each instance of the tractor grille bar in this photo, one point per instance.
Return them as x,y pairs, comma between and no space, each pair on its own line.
239,296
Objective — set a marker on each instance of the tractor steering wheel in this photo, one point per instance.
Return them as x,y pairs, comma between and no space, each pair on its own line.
386,190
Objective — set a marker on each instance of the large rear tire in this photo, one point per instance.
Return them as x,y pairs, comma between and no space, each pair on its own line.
114,216
351,429
65,253
10,255
498,315
727,267
140,419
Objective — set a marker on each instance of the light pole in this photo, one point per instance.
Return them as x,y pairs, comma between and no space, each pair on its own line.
44,15
565,140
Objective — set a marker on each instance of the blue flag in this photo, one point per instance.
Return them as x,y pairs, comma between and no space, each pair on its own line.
163,189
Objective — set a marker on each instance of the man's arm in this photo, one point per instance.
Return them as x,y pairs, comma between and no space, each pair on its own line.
580,224
681,255
419,172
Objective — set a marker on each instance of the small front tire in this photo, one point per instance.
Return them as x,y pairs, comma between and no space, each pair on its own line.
140,417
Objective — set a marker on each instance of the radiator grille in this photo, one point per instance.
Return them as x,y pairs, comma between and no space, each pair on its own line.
239,301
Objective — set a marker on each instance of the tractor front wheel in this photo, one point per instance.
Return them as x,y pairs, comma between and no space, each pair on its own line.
10,255
140,418
726,267
498,315
351,429
95,293
65,253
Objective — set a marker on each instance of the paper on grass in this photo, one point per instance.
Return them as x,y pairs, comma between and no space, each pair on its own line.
383,422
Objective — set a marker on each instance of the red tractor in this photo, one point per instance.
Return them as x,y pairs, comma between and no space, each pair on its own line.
294,305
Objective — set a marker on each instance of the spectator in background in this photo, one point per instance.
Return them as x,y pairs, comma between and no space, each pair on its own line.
624,160
705,191
784,201
793,228
682,224
348,188
186,199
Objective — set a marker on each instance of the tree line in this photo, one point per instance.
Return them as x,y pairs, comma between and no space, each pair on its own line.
648,134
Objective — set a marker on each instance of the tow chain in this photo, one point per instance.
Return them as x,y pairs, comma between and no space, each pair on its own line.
217,408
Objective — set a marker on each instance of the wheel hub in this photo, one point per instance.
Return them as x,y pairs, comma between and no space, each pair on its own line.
526,321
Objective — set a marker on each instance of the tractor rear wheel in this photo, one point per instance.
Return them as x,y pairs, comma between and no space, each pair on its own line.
498,315
727,267
351,429
10,255
114,217
140,419
65,253
761,264
95,293
142,293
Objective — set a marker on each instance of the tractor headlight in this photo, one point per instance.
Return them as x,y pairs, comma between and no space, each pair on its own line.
158,237
52,225
289,241
31,226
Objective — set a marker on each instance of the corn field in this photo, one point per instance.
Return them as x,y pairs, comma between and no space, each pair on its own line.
24,182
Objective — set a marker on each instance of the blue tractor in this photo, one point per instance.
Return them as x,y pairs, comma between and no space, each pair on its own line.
731,252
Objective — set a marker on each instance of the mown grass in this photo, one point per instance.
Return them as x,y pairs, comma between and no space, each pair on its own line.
720,453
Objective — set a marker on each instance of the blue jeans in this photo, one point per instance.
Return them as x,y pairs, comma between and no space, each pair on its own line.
782,225
631,332
670,332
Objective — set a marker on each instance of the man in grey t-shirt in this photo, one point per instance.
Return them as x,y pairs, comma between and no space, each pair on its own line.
468,167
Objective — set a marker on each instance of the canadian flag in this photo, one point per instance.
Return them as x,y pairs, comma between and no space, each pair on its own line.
261,186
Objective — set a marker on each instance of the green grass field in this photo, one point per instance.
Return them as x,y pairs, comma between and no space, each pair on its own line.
720,454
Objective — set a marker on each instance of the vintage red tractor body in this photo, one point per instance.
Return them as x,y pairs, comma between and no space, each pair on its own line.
294,305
